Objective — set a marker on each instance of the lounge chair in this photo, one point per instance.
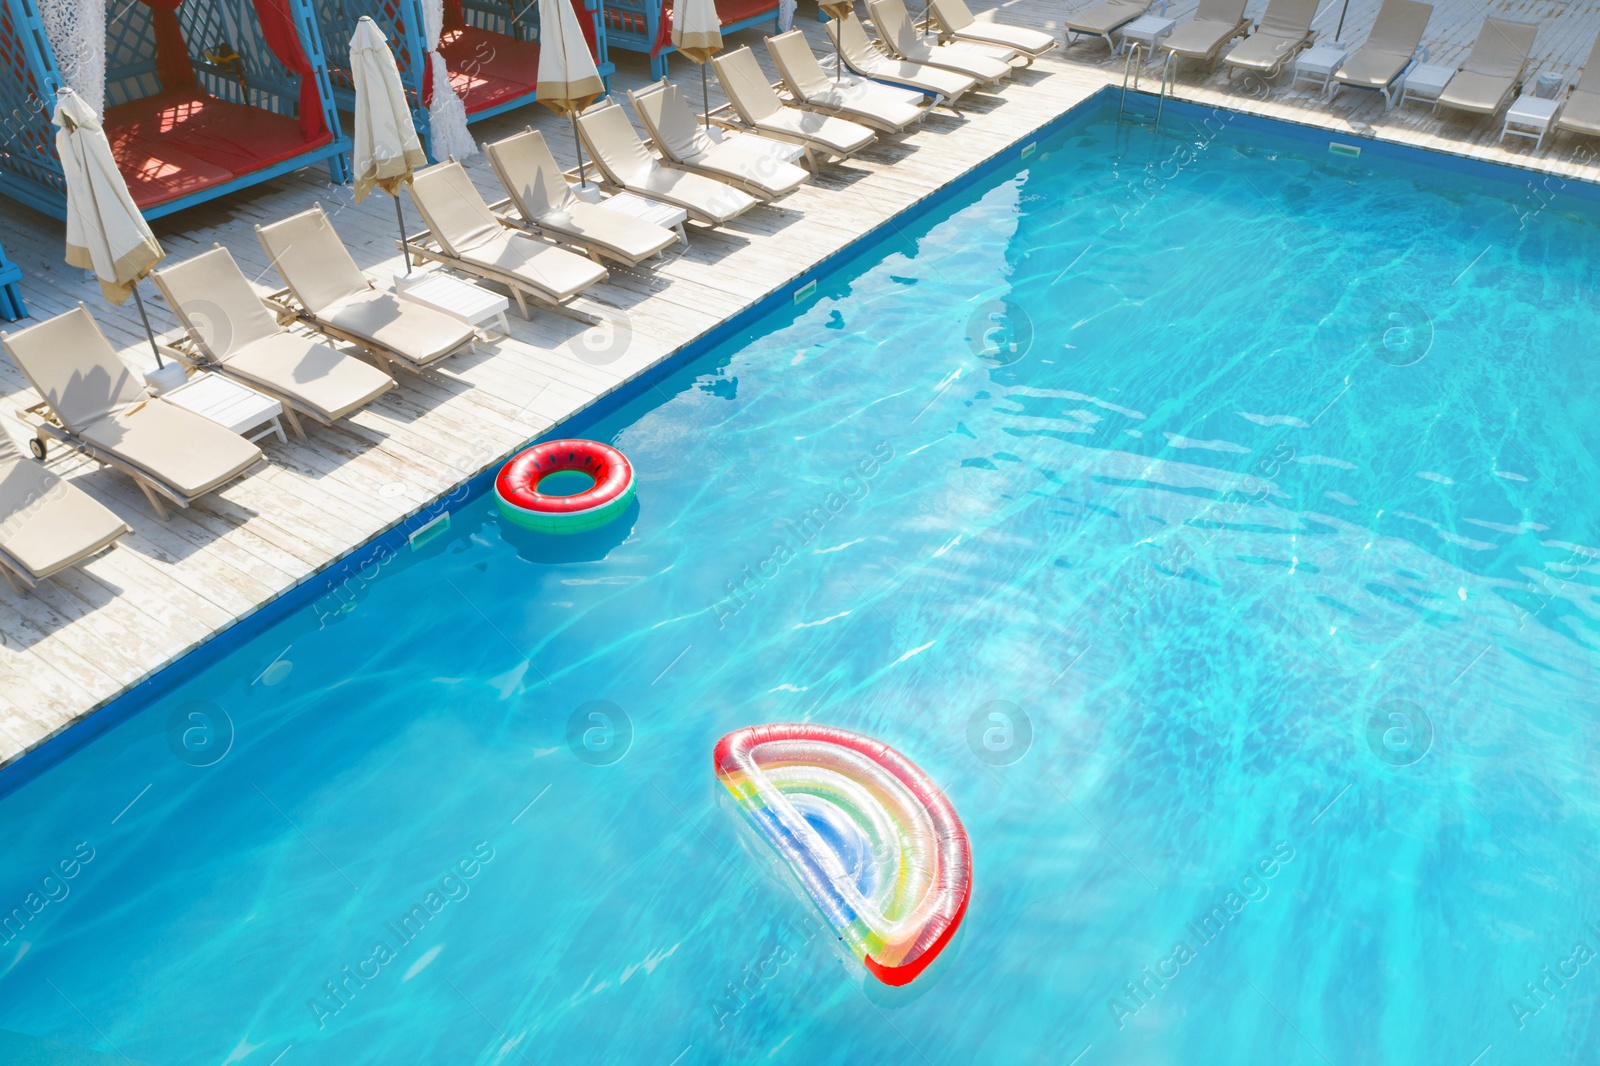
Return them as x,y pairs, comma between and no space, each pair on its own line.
1215,24
234,334
955,20
94,403
1492,74
677,134
1392,48
626,164
987,64
1581,113
862,57
760,107
1283,33
473,239
46,524
1103,20
882,108
331,293
542,198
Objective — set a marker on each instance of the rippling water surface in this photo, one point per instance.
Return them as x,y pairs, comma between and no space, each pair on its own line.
1252,487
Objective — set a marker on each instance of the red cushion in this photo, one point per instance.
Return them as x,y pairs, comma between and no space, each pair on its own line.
731,11
487,69
180,142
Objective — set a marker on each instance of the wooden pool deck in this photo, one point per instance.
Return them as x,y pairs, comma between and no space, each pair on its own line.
87,635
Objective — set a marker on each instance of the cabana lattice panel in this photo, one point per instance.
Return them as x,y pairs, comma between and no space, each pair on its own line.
239,123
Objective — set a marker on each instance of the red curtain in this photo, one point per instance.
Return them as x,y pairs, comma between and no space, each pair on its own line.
277,26
663,30
586,20
172,53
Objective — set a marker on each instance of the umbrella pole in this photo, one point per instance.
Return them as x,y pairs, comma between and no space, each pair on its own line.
1345,11
705,95
400,217
583,178
148,332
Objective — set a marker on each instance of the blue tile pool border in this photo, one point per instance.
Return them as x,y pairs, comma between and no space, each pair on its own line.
1140,108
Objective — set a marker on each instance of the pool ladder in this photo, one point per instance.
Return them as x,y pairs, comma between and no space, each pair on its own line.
1131,67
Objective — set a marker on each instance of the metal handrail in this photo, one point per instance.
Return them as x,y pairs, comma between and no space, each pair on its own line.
1128,67
1168,71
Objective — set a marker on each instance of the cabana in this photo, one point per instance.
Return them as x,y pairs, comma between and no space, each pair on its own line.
199,97
11,305
490,50
643,25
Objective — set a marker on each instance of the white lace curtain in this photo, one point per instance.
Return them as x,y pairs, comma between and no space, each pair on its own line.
447,118
77,33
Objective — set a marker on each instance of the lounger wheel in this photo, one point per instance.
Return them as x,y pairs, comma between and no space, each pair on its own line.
38,448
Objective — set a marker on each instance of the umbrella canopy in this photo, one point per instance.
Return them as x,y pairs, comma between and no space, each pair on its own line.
387,148
105,231
696,29
697,35
568,79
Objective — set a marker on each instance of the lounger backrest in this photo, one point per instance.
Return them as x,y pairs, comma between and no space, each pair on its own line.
1230,12
953,15
312,260
1589,82
894,26
69,363
1502,47
453,208
746,85
672,125
615,145
530,174
852,40
1290,19
798,65
1399,27
216,304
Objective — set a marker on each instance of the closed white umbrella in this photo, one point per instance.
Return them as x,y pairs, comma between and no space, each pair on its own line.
697,35
105,231
386,148
568,79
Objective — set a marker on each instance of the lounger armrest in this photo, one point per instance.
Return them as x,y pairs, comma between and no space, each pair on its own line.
281,304
1160,5
184,352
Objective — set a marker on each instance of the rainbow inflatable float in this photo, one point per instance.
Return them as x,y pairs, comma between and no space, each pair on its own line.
873,842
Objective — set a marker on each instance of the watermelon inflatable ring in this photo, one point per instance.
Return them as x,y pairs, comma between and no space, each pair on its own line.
871,840
516,488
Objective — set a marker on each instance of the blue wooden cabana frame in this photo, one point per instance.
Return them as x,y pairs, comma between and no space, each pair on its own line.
624,17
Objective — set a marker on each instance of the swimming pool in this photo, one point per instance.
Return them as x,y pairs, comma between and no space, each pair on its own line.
1210,513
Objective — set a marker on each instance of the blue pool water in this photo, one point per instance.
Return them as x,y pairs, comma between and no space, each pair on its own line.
1211,515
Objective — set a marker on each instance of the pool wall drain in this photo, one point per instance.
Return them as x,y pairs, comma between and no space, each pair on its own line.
420,536
1350,151
383,546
